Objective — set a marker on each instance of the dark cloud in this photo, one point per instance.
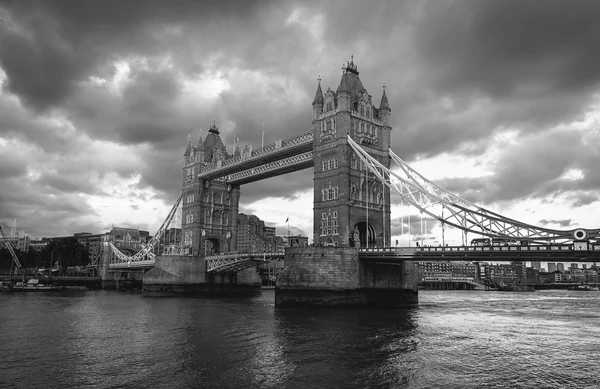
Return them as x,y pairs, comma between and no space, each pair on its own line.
459,73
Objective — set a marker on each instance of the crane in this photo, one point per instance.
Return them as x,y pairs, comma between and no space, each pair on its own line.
10,249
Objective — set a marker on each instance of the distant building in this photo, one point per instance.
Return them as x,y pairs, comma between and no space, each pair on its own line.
254,236
20,242
560,266
131,238
91,242
297,241
449,269
536,265
501,274
551,267
37,245
519,267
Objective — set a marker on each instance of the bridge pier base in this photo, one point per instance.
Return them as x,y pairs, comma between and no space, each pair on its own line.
184,275
336,276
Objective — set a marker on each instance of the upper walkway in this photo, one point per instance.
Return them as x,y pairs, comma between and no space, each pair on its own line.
281,157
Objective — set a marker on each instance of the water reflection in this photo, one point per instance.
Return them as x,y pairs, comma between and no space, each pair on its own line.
364,347
451,340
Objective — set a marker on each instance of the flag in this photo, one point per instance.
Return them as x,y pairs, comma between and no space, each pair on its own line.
286,220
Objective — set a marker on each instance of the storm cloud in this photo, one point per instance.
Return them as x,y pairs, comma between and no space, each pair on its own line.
98,97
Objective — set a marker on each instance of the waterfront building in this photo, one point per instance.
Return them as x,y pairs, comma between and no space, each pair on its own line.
551,267
591,276
127,239
431,269
560,266
501,274
519,267
532,275
91,242
449,269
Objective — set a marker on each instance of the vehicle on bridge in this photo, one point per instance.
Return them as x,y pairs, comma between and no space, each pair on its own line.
480,242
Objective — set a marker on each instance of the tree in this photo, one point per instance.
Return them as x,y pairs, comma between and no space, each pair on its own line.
66,252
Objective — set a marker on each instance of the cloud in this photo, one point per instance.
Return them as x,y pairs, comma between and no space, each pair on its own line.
98,95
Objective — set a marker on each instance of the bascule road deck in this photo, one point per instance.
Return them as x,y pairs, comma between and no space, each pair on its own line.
556,252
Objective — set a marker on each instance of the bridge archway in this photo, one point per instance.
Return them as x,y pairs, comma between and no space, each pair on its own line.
212,246
365,233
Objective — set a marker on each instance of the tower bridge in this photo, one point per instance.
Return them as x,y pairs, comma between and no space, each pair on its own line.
356,178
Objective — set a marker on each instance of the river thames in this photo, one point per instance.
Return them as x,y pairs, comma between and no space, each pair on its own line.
452,339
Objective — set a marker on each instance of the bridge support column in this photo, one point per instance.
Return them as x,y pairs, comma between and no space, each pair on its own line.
174,275
336,276
108,278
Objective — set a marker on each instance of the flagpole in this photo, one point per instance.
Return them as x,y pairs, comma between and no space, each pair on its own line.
263,135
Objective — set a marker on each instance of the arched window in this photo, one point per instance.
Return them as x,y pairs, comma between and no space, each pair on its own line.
329,106
362,110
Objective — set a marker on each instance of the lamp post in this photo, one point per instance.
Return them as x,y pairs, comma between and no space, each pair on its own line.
228,237
204,240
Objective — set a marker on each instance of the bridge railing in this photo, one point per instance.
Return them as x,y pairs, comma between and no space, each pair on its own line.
531,248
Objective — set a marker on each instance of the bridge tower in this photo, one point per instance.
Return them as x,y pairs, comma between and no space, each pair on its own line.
351,207
210,208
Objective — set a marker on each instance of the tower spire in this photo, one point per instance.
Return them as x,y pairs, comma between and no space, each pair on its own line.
188,149
384,100
319,94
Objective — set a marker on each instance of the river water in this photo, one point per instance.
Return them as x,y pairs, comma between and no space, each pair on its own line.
452,339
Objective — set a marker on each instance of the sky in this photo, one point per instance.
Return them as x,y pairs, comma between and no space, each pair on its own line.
497,101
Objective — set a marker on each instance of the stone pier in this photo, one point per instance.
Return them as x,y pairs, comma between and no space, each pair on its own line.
177,275
336,276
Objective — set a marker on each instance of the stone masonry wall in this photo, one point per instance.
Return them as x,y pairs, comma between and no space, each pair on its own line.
176,269
402,275
329,268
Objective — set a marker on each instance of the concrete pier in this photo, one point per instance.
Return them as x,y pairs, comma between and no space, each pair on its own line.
177,275
336,276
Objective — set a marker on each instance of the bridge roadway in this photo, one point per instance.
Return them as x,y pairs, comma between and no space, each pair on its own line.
552,252
231,262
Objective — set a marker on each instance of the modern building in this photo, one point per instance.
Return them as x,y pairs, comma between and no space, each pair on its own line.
551,267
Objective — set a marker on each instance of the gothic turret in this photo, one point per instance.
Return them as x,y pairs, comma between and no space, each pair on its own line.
200,150
384,109
343,93
214,149
318,101
188,150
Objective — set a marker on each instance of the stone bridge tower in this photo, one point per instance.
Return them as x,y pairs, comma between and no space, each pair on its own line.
351,206
210,208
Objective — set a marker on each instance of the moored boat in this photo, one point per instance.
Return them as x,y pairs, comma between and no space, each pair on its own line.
33,285
585,288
